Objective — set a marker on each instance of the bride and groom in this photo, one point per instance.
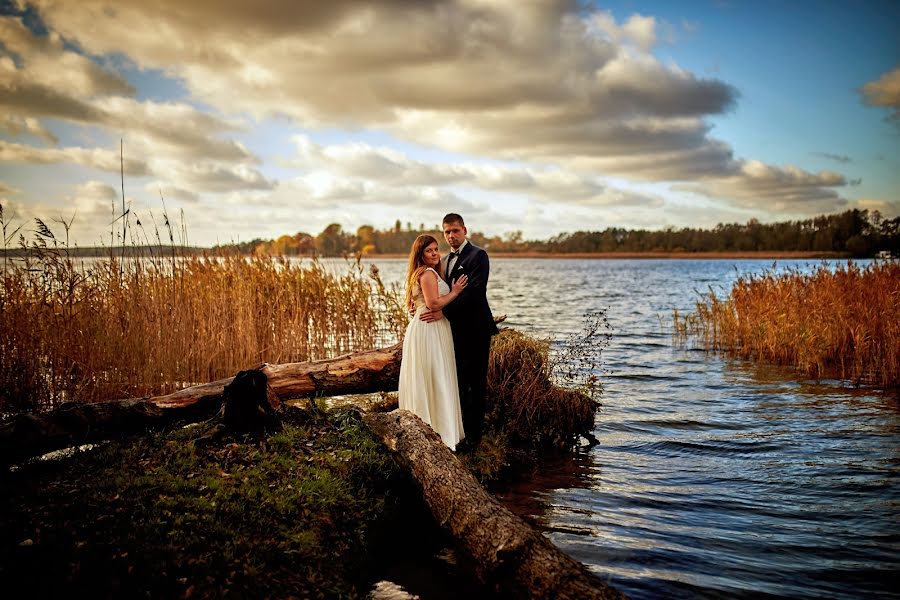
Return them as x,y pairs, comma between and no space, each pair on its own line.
443,372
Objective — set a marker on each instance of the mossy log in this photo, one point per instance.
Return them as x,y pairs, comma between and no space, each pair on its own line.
508,554
32,434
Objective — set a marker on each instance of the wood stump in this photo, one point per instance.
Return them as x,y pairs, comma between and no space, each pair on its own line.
249,403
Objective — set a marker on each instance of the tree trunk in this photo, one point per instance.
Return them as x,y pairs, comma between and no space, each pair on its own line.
507,553
31,434
357,373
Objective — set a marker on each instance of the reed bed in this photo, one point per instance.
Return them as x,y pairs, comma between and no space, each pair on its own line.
842,322
85,331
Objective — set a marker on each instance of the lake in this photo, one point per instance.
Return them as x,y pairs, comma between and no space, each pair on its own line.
713,477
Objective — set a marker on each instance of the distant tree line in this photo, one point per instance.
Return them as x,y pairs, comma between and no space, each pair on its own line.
857,233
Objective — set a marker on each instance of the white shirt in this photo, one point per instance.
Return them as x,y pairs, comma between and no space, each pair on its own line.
451,259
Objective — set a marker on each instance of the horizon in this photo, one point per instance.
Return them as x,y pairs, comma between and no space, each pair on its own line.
544,118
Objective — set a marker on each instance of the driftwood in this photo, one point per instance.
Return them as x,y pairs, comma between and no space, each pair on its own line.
508,554
32,434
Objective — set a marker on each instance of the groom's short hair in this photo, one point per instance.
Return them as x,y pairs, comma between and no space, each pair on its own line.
453,218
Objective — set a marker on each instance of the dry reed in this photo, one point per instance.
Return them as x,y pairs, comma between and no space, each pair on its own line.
527,406
85,331
842,322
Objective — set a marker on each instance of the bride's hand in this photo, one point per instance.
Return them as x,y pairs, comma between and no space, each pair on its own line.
460,284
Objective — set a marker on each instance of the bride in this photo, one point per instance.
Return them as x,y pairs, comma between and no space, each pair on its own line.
428,385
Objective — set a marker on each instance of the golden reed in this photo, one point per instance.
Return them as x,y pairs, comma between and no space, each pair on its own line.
842,322
96,329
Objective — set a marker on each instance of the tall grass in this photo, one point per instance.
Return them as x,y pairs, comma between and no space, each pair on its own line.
842,322
114,327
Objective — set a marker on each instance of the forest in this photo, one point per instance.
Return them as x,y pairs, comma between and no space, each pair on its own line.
854,233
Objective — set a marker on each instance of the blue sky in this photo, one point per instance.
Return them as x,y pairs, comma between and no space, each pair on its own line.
542,117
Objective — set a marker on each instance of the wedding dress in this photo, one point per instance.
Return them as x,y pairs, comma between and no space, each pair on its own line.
428,384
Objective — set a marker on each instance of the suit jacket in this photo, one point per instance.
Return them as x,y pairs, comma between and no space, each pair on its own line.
469,314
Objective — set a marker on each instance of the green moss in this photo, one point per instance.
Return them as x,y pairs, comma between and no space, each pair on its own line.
289,514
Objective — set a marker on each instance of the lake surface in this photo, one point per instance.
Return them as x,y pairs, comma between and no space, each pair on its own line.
713,477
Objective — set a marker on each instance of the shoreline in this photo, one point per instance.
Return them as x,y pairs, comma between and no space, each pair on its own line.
76,253
655,255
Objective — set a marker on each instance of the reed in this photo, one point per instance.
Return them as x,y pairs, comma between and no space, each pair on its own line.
533,402
85,331
842,322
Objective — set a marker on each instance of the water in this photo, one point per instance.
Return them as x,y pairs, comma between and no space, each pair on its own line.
713,477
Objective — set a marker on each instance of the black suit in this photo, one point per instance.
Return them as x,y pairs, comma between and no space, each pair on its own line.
473,325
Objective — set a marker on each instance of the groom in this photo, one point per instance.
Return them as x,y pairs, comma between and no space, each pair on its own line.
471,322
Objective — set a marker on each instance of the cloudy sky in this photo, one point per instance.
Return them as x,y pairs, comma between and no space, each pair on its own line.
256,119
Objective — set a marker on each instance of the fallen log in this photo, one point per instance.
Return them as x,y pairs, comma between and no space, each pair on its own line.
32,434
508,554
356,373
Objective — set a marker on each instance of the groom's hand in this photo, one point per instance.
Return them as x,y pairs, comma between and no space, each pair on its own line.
429,316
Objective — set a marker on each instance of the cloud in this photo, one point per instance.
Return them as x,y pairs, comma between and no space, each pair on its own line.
841,158
85,94
51,65
559,95
170,191
44,77
96,158
96,190
888,209
530,81
95,199
787,190
87,209
885,92
6,189
637,30
393,168
16,125
210,176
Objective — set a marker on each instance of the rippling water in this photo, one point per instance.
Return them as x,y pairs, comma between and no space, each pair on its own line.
713,477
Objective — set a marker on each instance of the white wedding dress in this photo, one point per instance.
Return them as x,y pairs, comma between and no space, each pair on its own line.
428,384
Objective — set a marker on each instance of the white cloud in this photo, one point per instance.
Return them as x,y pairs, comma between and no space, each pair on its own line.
393,168
638,30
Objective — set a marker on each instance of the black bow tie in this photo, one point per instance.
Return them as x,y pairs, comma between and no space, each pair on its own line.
455,253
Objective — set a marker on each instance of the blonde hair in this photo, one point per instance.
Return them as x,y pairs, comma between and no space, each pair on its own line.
417,264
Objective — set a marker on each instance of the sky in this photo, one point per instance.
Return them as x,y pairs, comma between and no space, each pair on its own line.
249,120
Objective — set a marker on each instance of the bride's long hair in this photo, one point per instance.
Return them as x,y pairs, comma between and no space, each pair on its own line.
417,264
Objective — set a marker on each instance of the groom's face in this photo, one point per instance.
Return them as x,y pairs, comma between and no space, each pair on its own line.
455,234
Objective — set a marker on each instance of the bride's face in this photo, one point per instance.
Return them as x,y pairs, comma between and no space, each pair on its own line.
431,256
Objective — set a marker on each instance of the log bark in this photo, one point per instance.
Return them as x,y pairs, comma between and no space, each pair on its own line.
508,554
32,434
